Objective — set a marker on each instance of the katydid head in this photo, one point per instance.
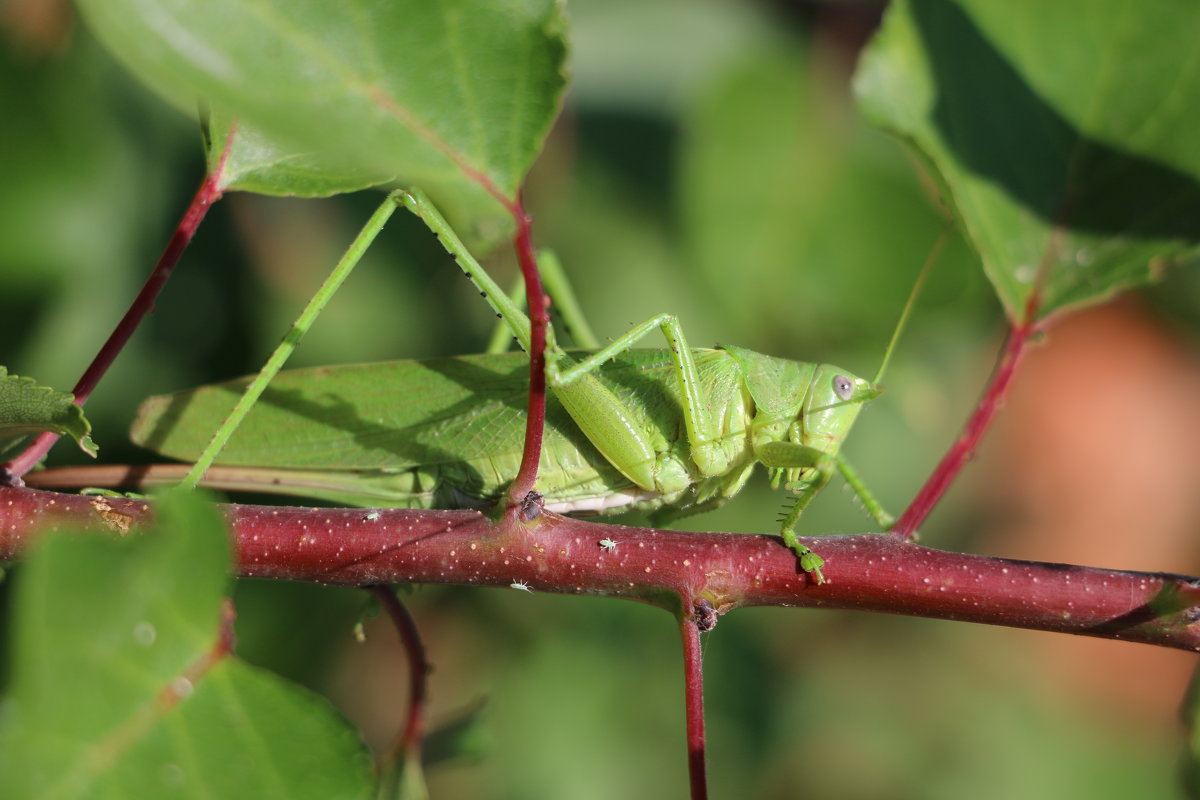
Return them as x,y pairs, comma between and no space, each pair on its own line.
806,408
832,404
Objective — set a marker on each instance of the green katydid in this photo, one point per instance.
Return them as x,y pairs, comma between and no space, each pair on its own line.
672,431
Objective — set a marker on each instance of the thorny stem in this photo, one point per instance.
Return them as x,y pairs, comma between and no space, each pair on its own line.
407,747
693,695
964,448
209,192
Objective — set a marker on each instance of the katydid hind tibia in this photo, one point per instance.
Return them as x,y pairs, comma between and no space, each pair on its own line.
670,431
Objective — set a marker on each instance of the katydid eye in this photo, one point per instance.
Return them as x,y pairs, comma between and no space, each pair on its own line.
843,387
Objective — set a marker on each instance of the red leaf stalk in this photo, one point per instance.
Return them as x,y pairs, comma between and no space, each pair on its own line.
208,193
964,448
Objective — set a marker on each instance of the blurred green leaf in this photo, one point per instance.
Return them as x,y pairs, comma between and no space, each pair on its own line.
26,408
454,96
120,688
1064,133
781,187
1191,718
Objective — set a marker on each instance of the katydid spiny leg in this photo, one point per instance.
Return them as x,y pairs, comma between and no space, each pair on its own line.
502,337
556,285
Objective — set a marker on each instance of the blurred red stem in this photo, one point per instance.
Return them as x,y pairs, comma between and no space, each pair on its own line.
693,693
208,193
408,743
964,448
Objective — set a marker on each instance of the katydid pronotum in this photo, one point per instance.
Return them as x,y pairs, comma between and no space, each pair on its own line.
670,431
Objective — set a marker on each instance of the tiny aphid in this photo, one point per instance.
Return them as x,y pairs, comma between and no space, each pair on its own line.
608,544
532,506
371,516
522,585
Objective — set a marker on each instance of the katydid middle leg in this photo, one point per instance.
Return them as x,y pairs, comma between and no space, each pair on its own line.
816,470
632,451
558,287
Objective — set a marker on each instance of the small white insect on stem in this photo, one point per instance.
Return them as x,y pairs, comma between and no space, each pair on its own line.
371,516
608,545
521,585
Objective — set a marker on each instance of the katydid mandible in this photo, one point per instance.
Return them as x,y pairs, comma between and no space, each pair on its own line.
670,431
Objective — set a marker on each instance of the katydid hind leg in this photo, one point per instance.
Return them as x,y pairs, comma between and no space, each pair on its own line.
502,336
283,351
563,302
509,310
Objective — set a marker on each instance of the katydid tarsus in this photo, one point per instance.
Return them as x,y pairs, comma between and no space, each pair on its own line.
670,431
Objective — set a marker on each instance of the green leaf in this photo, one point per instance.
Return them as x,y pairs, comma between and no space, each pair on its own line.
120,687
26,408
454,96
1064,133
255,162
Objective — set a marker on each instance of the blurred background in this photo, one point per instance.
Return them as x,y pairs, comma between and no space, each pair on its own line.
709,162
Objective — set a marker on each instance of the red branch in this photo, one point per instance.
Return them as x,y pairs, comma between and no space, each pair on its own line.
554,554
208,193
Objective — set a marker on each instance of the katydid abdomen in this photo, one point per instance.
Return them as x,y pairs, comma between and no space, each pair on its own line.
449,432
